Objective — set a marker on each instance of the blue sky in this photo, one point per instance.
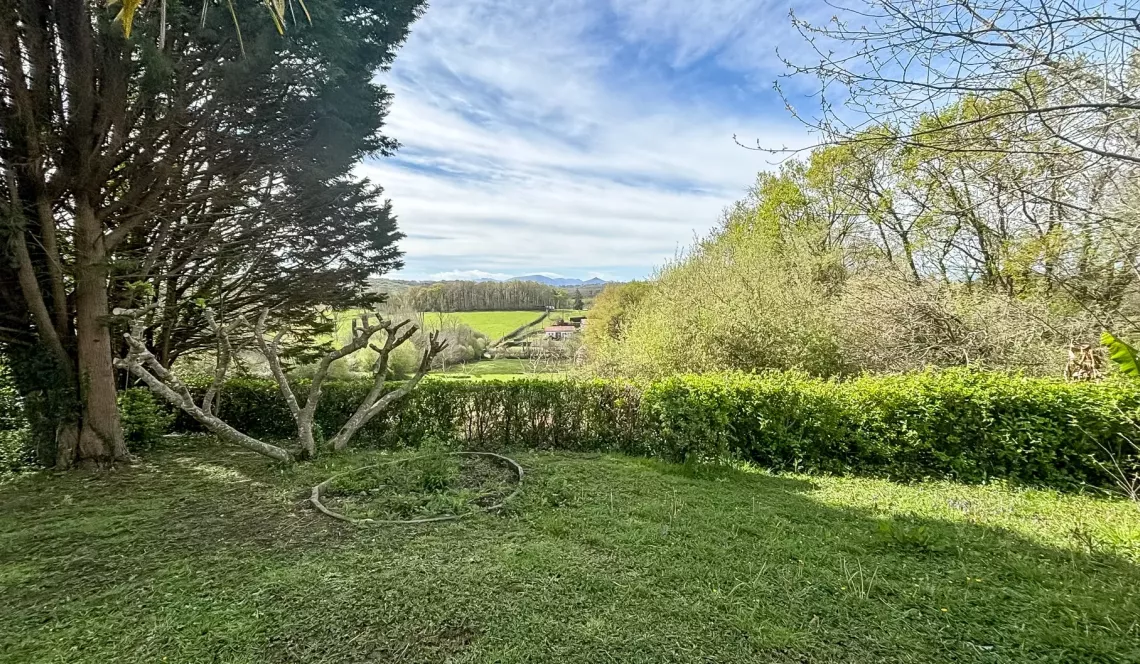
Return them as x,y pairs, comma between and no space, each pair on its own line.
578,137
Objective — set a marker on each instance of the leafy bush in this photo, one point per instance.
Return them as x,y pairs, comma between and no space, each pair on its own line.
958,424
464,343
16,449
342,369
403,361
485,415
745,298
437,473
11,410
144,420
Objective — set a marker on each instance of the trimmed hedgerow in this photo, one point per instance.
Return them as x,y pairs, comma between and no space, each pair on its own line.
535,414
957,424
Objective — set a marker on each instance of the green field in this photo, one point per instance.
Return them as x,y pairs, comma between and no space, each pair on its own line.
206,554
496,324
504,368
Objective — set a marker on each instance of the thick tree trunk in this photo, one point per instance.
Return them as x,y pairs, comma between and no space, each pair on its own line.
100,440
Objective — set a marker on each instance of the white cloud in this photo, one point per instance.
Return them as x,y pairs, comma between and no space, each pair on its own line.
531,144
467,275
750,36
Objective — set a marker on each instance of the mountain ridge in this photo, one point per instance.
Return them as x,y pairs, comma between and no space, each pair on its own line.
559,281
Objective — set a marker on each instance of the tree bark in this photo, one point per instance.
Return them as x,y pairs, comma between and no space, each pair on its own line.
374,403
100,441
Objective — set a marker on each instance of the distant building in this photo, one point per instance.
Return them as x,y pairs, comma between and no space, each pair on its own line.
578,321
560,331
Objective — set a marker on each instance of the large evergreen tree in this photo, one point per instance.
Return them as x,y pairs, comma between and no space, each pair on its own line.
208,164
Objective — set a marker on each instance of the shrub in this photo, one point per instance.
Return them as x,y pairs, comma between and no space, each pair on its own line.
144,420
11,410
16,448
612,307
886,323
463,343
523,413
958,424
745,298
16,451
403,361
343,369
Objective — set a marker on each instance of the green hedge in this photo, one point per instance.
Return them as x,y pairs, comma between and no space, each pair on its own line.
529,413
959,424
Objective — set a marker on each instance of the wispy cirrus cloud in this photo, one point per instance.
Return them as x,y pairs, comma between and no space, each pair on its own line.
580,137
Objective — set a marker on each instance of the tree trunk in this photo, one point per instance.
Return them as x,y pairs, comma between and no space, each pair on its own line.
100,440
305,436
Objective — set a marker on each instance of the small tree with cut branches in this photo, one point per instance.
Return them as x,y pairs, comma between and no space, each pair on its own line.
143,365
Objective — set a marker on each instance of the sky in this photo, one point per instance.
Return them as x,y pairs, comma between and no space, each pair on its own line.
579,138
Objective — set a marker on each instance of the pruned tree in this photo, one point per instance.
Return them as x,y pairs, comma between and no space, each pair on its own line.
378,398
165,383
143,365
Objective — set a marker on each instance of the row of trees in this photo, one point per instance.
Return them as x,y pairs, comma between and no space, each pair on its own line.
198,161
971,202
447,296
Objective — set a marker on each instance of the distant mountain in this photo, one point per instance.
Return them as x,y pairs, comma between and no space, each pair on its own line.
560,282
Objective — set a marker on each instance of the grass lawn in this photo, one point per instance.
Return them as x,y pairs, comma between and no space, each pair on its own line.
207,554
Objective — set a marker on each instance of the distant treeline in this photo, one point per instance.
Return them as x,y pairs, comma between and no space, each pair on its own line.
481,296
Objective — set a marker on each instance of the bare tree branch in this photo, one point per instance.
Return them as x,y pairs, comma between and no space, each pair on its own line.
163,382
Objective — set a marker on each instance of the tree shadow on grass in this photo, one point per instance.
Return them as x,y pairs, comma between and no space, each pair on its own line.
203,553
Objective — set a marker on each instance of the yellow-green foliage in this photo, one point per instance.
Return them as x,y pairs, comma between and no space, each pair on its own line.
748,297
818,270
612,307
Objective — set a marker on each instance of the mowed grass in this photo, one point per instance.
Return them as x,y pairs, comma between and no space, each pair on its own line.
207,554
